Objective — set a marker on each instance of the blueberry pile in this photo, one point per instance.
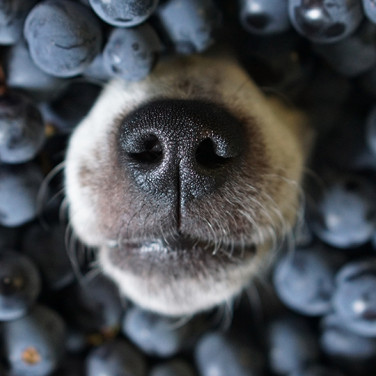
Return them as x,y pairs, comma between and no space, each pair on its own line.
313,315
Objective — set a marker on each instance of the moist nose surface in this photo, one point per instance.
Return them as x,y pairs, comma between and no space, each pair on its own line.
179,150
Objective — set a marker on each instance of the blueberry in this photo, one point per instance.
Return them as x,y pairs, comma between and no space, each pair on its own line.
47,248
93,305
175,367
96,72
70,107
344,215
340,55
160,335
12,17
19,285
21,128
325,21
370,10
304,279
22,73
189,24
349,350
18,193
63,37
316,370
124,13
115,358
226,354
34,344
264,16
354,299
131,54
291,343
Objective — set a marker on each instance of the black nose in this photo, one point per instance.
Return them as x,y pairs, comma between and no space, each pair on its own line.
180,149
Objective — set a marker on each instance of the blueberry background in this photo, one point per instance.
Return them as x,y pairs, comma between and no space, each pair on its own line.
314,315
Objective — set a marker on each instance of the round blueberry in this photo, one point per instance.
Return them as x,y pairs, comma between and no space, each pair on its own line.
124,13
325,21
189,24
12,17
34,344
21,128
304,279
264,16
63,37
160,335
343,346
19,285
22,73
227,354
354,299
19,190
131,54
115,358
344,215
175,367
291,344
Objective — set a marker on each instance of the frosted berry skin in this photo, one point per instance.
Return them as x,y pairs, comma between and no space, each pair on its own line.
189,25
325,21
63,37
21,128
12,17
264,16
117,357
124,13
304,279
131,54
40,351
354,299
369,7
18,193
344,214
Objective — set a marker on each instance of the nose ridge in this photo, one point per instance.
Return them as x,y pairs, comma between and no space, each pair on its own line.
180,148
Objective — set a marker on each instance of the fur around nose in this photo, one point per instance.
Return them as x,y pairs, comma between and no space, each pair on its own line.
177,149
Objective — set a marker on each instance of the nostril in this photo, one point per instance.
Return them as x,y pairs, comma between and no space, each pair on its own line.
147,150
208,155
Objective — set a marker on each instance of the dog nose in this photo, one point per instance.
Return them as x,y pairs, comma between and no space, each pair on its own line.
180,149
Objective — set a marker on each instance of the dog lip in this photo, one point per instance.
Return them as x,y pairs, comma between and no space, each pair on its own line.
183,244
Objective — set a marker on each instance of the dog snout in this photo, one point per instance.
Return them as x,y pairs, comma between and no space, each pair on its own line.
180,150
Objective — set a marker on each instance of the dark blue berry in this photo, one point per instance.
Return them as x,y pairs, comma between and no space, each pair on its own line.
226,354
115,358
63,37
291,343
131,54
19,285
160,335
34,344
189,24
12,17
264,16
325,21
304,279
21,128
354,299
19,189
22,73
124,13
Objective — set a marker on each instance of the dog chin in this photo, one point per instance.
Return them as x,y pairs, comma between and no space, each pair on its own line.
180,281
